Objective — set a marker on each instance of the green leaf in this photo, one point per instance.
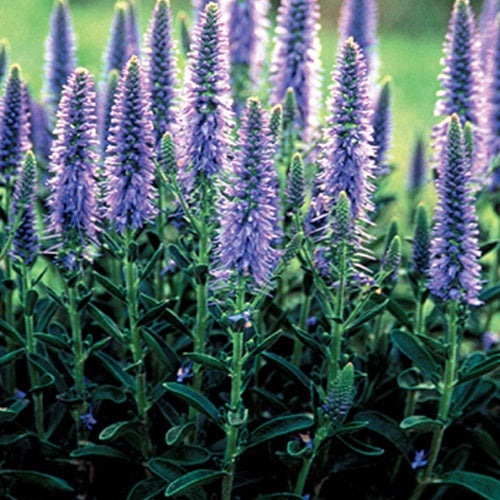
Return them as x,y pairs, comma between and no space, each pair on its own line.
148,268
399,313
208,361
360,447
485,486
178,256
116,370
31,300
147,489
192,480
10,333
178,433
52,340
156,312
107,284
268,342
187,455
490,294
279,426
38,479
98,450
11,356
409,345
420,423
106,323
308,340
491,363
389,428
160,351
175,321
412,379
44,315
487,247
194,399
114,431
487,443
367,316
110,393
288,368
165,469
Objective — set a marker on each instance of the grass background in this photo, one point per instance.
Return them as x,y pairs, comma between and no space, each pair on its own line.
411,33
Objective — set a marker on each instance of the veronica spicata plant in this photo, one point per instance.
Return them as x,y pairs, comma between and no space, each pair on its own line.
4,59
118,48
295,61
60,55
382,129
462,85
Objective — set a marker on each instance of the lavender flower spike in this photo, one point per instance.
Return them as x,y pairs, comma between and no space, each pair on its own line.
207,112
117,52
73,218
347,163
14,125
60,54
382,128
107,99
25,245
358,19
462,83
248,35
454,271
487,21
133,36
249,210
130,198
418,168
493,96
295,61
4,59
161,68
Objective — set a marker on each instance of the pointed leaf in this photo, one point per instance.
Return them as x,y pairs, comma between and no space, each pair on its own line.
11,356
288,368
360,447
208,361
420,423
147,489
116,370
491,363
106,323
485,486
178,433
192,480
38,479
165,469
107,284
148,268
194,399
99,450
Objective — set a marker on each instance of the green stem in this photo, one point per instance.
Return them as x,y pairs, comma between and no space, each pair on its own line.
445,401
236,412
305,309
337,324
31,349
303,473
136,348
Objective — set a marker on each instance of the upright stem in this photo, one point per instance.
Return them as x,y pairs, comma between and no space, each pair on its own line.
445,401
78,359
337,324
31,349
236,409
136,348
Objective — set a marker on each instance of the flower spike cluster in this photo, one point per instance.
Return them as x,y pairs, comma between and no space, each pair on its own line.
74,213
107,100
493,96
249,210
358,19
462,85
4,59
161,68
14,125
118,48
295,61
248,35
454,269
418,167
60,54
133,36
207,111
25,245
130,171
421,243
487,22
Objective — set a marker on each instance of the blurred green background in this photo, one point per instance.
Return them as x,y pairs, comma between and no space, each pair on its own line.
411,35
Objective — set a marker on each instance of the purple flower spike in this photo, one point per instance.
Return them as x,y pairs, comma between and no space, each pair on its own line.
4,59
130,196
295,61
347,163
117,52
382,129
73,219
418,168
248,36
207,112
358,19
487,26
161,68
454,271
14,125
133,36
107,100
462,83
25,245
493,96
40,130
249,209
60,54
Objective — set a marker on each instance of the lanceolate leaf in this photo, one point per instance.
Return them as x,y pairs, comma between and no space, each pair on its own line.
485,486
192,480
